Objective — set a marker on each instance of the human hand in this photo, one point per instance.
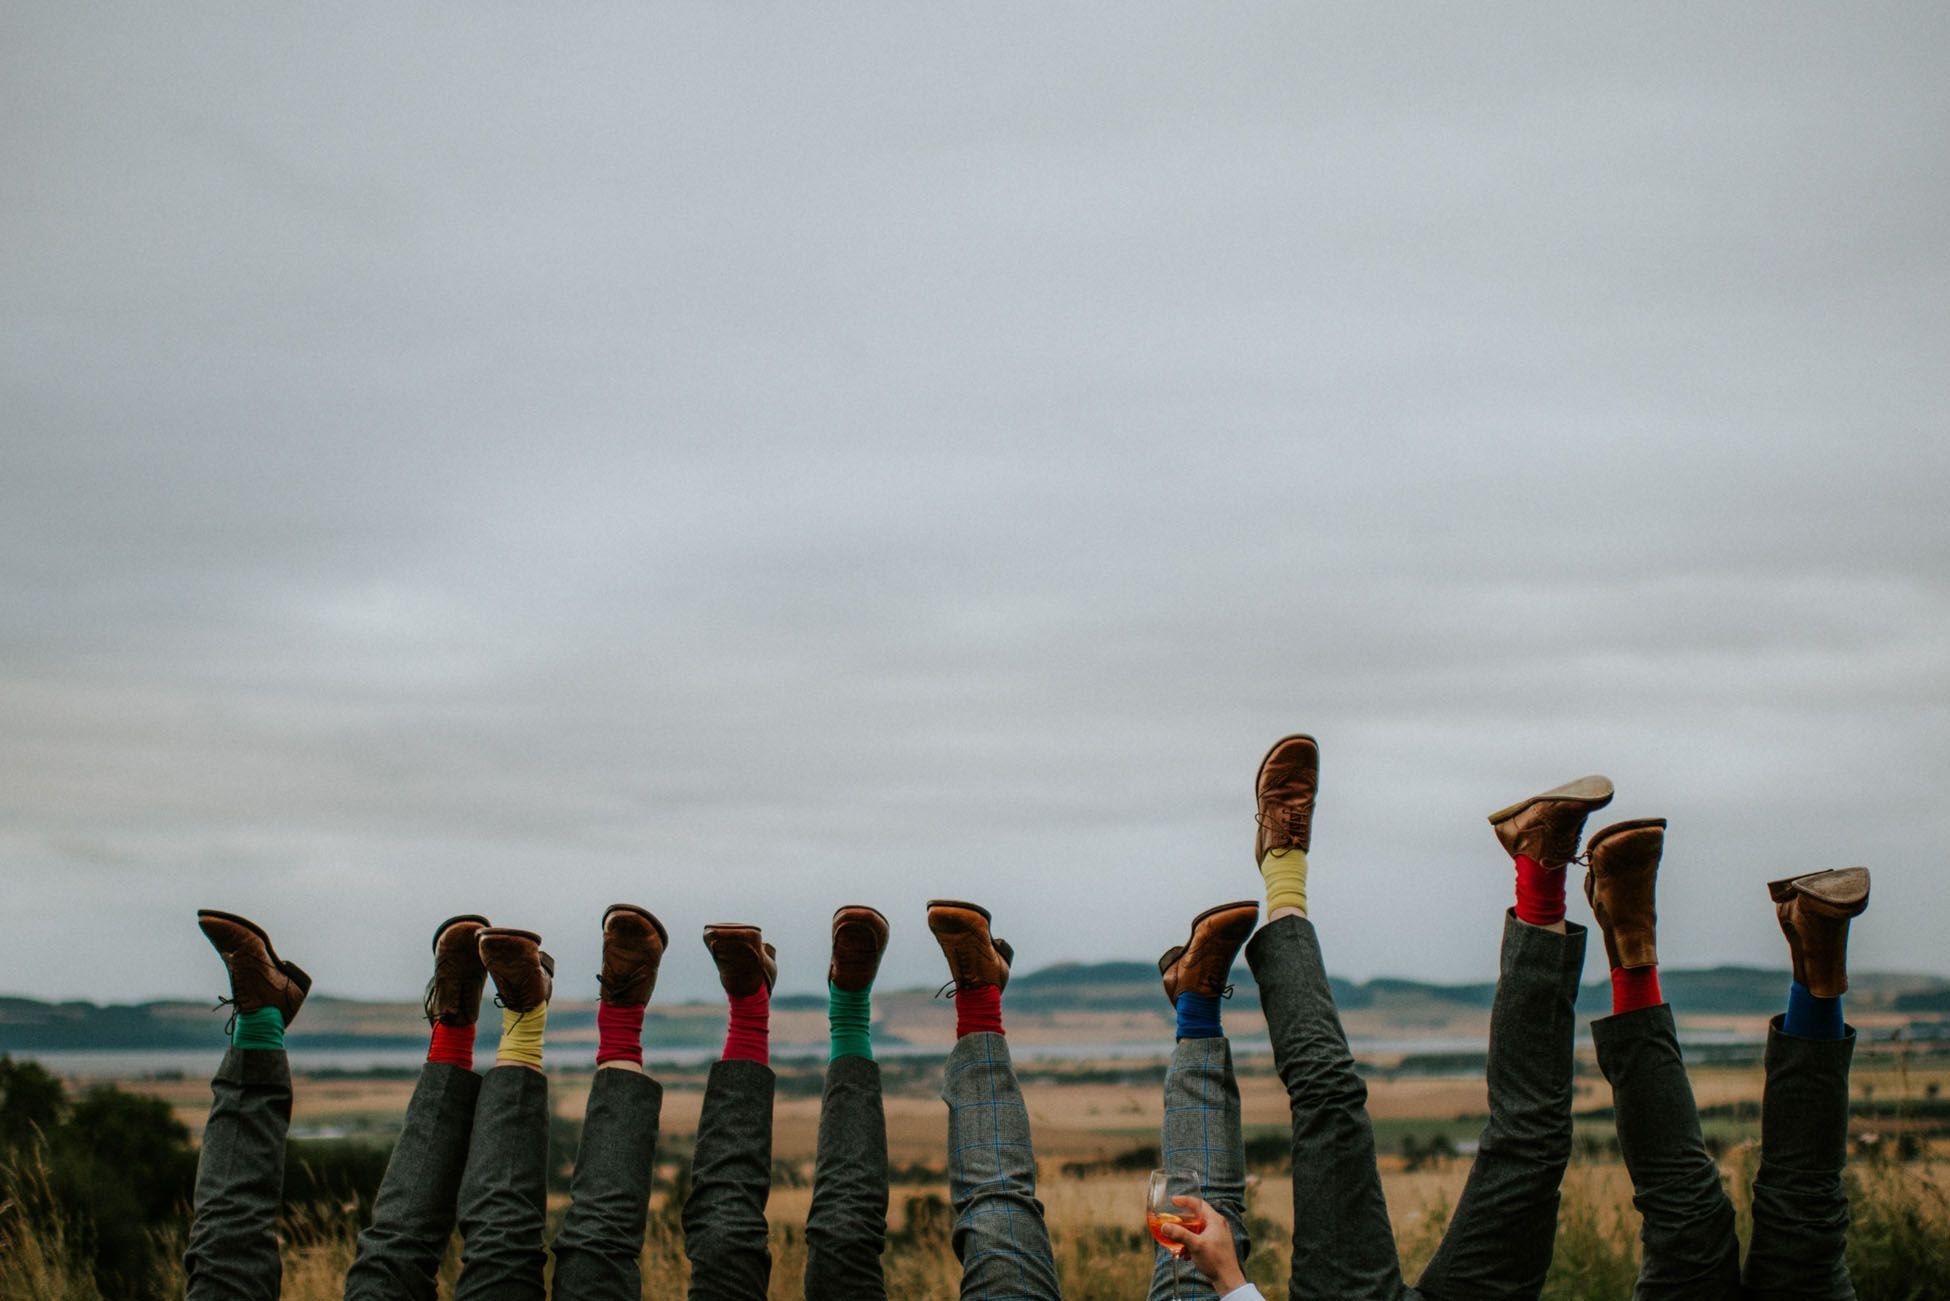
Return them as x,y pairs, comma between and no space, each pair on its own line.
1210,1249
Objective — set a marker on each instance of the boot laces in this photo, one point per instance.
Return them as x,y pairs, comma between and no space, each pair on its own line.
520,1015
617,984
230,1026
1286,821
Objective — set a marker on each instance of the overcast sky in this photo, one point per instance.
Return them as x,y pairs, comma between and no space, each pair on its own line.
745,459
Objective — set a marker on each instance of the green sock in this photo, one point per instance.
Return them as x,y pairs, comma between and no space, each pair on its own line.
849,1013
263,1028
1285,871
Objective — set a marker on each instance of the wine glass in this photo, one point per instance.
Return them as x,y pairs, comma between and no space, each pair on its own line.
1160,1210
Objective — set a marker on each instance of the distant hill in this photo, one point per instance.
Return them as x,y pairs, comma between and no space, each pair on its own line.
1103,1002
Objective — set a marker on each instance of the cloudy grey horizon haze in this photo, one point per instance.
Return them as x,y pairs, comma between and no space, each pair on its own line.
743,459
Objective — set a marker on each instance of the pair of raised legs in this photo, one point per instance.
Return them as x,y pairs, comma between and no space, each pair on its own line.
1800,1203
473,1151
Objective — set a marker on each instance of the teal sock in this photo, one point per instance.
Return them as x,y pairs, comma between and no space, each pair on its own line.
263,1028
849,1013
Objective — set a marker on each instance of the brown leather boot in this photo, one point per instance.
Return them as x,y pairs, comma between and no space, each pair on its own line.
1623,886
975,957
259,978
1289,777
633,948
859,938
524,976
454,993
1814,910
745,961
1545,827
1202,964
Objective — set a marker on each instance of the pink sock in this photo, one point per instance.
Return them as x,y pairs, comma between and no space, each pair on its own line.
1633,988
453,1045
1540,892
749,1036
619,1033
978,1010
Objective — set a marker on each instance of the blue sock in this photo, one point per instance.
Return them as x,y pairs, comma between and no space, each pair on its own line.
1198,1016
1809,1017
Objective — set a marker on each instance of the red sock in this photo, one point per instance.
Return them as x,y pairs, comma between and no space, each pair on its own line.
978,1010
452,1045
749,1036
1540,892
1633,988
619,1033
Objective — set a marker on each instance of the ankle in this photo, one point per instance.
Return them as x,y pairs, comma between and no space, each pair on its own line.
1285,874
1198,1016
1540,892
619,1033
452,1045
1633,988
1812,1017
748,1033
978,1010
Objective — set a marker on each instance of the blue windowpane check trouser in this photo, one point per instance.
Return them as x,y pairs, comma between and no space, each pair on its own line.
999,1235
1202,1135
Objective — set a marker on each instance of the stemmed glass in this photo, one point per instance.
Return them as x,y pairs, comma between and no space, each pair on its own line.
1160,1210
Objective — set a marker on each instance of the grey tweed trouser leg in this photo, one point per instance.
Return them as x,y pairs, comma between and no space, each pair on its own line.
1343,1246
413,1217
503,1200
599,1249
1800,1203
233,1247
999,1234
731,1178
846,1228
1499,1243
1686,1221
1202,1134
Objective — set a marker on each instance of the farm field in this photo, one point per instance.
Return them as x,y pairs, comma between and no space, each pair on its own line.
1095,1128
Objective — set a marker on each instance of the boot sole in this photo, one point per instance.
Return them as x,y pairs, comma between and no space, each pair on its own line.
547,962
1593,792
1616,828
1001,946
296,974
860,907
510,930
881,948
960,903
768,950
1275,748
441,929
663,936
1178,951
1846,888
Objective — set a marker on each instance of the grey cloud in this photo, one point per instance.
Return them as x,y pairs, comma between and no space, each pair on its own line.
743,460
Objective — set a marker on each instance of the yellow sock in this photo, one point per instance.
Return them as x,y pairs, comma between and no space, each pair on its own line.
521,1037
1285,871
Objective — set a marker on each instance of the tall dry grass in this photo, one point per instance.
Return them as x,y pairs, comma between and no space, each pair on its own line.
1899,1249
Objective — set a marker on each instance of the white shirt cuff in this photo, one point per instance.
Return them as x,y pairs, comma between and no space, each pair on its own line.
1244,1292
